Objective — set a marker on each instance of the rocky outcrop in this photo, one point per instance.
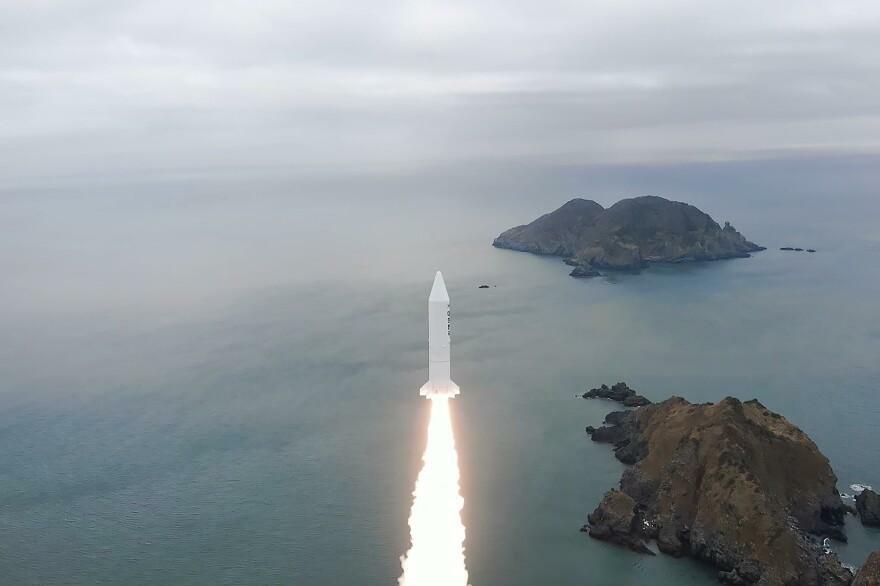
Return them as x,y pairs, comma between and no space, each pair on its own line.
869,573
616,520
584,271
868,506
730,483
627,236
619,392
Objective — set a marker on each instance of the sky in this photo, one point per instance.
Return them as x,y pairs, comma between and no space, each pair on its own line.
121,87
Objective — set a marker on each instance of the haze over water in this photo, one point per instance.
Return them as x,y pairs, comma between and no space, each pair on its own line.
213,379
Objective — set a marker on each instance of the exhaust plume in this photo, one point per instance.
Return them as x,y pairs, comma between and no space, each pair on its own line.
436,555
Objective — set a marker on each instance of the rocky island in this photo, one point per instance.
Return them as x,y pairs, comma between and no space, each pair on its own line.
627,236
731,483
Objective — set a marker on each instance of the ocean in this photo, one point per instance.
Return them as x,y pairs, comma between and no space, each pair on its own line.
213,378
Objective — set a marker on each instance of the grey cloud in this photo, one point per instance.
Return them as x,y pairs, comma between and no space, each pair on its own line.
134,87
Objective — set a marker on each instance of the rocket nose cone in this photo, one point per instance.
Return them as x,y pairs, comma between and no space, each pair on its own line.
438,290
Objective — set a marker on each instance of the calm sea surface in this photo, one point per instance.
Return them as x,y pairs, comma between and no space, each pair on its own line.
216,381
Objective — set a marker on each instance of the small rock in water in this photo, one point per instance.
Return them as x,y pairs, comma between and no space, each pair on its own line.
483,287
794,249
619,392
584,271
868,505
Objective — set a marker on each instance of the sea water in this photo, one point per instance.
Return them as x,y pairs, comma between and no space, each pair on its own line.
215,380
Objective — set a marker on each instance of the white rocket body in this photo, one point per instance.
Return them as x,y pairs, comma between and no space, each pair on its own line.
439,347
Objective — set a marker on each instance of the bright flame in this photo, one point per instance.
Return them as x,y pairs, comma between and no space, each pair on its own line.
436,557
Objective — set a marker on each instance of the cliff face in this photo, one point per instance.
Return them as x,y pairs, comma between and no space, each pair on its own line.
628,235
729,483
869,573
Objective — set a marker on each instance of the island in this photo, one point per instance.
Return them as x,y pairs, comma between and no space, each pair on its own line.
627,236
731,483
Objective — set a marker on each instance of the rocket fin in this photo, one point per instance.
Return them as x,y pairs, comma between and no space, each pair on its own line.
449,389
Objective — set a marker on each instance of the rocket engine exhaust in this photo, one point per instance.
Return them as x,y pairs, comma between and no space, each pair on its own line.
436,555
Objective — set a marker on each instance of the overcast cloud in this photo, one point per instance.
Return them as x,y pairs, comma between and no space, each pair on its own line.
126,87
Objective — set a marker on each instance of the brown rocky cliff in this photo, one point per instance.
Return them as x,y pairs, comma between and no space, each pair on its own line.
732,484
869,573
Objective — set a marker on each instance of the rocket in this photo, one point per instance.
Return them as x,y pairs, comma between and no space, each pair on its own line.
439,333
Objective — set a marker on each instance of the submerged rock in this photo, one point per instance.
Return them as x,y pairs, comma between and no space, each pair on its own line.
729,483
627,236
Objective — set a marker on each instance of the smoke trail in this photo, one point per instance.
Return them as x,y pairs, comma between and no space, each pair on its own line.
436,557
